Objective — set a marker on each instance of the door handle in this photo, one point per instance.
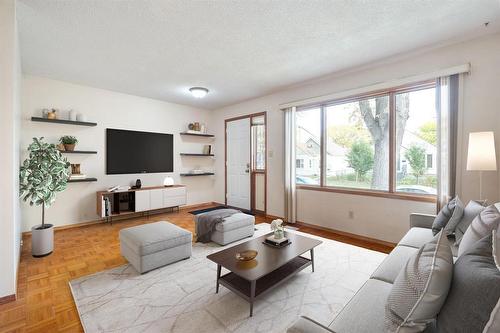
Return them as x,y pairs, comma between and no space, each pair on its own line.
247,171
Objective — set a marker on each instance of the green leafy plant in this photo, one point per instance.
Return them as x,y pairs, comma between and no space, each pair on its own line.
416,157
68,140
360,158
428,132
44,173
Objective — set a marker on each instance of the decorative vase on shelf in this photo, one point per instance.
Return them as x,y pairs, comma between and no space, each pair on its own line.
52,114
75,169
81,117
72,115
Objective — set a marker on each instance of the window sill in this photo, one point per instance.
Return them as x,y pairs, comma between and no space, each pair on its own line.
371,193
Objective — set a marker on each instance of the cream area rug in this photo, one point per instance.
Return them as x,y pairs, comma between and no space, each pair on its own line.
181,297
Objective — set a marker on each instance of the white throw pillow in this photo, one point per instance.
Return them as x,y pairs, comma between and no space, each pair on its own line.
421,287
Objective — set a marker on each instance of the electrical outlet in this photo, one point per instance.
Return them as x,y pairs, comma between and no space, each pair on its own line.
351,214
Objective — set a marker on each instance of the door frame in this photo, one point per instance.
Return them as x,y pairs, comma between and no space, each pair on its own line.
252,172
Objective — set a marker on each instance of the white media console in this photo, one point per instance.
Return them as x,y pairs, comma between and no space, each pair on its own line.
114,204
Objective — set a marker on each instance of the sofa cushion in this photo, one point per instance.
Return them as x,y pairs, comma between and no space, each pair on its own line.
154,237
474,291
496,247
417,237
421,287
393,263
365,311
493,325
235,221
450,213
472,210
481,226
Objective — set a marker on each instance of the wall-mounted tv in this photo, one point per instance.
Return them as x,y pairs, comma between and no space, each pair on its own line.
138,152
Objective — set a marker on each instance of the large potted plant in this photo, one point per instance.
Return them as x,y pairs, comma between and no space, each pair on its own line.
44,173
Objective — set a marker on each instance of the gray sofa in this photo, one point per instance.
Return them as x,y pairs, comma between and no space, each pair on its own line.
365,312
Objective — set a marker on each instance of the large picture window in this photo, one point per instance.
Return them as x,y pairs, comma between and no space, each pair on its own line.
380,142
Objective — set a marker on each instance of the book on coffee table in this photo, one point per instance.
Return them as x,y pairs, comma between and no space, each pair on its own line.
283,241
276,241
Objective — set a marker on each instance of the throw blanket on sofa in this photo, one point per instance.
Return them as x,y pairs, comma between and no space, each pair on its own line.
205,223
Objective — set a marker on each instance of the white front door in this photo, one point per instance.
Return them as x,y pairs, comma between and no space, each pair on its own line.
238,163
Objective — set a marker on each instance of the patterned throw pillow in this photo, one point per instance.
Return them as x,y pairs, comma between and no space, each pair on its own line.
450,213
473,208
481,226
420,288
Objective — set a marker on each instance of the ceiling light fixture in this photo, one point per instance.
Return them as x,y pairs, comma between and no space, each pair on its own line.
198,92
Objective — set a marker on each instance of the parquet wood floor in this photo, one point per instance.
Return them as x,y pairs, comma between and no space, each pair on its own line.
44,302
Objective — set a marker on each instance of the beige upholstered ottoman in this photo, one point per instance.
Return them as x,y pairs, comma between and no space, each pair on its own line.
154,245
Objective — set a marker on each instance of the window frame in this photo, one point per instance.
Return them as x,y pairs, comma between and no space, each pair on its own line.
391,192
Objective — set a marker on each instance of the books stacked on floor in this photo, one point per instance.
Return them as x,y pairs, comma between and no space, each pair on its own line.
277,242
77,176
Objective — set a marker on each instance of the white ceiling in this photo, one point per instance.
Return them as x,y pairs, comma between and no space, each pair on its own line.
237,49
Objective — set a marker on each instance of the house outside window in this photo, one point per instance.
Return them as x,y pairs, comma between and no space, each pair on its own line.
429,161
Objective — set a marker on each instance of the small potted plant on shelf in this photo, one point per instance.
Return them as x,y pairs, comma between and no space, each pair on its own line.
69,142
44,173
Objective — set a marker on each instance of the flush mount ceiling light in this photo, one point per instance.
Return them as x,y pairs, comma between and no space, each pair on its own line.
198,92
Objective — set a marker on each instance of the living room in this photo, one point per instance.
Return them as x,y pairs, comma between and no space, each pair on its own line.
373,136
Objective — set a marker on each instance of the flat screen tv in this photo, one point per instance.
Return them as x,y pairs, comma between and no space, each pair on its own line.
138,152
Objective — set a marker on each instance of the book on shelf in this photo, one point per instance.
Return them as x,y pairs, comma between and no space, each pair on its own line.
106,207
207,149
77,176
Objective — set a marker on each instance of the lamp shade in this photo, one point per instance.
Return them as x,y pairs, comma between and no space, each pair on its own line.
481,153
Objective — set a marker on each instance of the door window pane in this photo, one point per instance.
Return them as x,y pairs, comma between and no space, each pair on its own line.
308,146
416,139
357,154
259,146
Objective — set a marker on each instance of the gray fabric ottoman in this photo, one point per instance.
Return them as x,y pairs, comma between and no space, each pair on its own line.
154,245
234,228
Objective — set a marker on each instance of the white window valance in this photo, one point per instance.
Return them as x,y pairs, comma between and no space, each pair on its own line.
465,68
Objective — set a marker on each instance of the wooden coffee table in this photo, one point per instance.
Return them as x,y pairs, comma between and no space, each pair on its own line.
269,269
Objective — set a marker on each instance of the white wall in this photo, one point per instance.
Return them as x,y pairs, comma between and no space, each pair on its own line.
9,137
385,219
109,110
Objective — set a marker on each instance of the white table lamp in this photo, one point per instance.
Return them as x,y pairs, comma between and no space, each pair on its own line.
481,155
